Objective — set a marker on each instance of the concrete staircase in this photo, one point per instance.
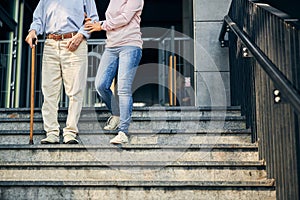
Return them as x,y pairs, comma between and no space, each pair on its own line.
174,153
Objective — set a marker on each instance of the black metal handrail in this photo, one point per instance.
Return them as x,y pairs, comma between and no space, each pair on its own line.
264,46
281,81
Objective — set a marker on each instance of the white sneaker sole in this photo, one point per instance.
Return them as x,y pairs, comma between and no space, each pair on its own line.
110,129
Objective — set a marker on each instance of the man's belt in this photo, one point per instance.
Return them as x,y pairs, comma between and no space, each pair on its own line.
60,36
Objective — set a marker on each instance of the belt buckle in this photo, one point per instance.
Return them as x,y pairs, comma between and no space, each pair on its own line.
55,36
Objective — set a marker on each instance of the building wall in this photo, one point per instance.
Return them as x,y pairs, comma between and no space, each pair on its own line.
211,61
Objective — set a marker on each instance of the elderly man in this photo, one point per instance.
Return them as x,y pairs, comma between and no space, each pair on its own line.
64,61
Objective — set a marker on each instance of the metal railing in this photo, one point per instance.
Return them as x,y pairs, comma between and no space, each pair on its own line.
265,66
171,70
95,51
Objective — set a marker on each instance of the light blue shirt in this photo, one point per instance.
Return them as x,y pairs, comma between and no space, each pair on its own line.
63,16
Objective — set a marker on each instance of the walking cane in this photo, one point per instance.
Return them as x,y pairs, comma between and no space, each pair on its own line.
32,90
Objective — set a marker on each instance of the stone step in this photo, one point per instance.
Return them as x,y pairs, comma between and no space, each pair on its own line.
144,123
174,153
89,153
140,137
130,174
137,112
125,164
131,171
266,183
137,190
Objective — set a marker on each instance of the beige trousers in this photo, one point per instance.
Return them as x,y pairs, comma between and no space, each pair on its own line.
61,66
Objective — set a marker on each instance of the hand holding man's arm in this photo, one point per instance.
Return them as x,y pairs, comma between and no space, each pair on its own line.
92,26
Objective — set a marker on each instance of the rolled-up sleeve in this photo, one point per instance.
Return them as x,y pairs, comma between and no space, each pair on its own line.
131,8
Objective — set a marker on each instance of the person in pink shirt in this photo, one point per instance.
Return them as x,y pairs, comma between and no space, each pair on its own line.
121,57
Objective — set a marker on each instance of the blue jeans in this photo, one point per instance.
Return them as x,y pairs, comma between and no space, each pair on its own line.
123,61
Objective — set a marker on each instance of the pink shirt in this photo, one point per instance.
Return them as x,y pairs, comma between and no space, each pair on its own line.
122,24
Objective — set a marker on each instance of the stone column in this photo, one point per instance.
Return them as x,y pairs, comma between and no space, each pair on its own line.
211,61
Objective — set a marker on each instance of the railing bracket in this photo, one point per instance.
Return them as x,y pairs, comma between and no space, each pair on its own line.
227,28
277,96
246,53
224,43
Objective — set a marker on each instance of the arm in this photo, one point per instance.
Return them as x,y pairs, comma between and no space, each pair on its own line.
38,22
37,25
131,8
92,14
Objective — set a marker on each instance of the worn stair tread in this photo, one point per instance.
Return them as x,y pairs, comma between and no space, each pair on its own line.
167,118
137,132
232,164
253,146
256,183
146,108
23,113
180,165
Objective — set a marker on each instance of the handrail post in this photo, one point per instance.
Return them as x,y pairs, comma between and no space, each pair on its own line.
172,80
224,30
172,70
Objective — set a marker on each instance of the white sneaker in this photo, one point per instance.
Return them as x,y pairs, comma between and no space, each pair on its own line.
50,139
120,138
112,123
70,139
